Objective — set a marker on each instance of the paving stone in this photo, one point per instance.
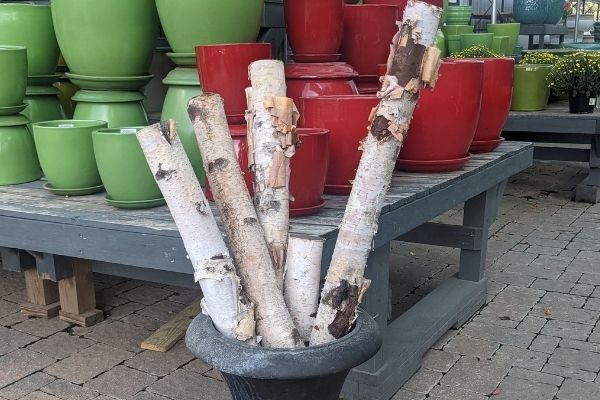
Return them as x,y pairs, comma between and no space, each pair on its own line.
513,388
592,304
214,374
442,392
186,385
568,330
148,396
481,376
577,390
26,385
582,289
590,279
532,324
536,376
145,322
121,381
565,313
12,319
161,364
561,299
584,244
42,327
585,360
60,345
469,346
7,308
184,295
444,339
551,251
544,344
512,279
536,271
11,339
163,310
501,335
499,319
553,285
404,394
123,310
572,276
40,396
584,266
120,335
197,366
88,363
68,391
21,363
146,294
518,357
504,311
569,372
440,361
423,381
579,345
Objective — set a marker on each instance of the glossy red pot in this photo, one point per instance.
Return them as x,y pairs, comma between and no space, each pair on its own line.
368,32
314,29
347,118
444,122
223,69
319,79
496,95
367,84
401,4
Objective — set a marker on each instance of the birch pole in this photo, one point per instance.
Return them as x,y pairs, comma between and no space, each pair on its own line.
272,142
413,61
247,241
224,300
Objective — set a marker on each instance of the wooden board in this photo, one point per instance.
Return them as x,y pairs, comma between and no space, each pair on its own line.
170,333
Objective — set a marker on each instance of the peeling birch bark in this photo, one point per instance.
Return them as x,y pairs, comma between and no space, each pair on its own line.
224,300
302,279
272,142
411,64
246,237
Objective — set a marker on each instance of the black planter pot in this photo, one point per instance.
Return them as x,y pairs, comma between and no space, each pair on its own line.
258,373
580,104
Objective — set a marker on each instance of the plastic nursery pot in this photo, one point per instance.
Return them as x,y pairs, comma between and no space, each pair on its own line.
531,89
319,79
530,11
30,25
66,152
472,39
122,165
444,122
18,159
108,37
316,372
183,85
314,29
13,75
581,104
345,133
511,30
43,104
368,29
118,109
496,94
189,23
223,69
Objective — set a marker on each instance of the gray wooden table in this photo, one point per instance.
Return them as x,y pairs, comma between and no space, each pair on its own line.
145,244
559,135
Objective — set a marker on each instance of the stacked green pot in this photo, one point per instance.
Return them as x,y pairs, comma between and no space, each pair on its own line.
511,30
531,88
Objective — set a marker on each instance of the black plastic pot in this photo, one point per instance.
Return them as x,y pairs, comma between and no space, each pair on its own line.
580,104
258,373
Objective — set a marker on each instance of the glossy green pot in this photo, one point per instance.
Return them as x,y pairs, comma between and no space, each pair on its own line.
30,25
472,39
66,152
18,159
453,42
43,104
108,37
191,23
116,108
531,87
440,43
122,165
183,85
13,75
500,45
456,29
511,30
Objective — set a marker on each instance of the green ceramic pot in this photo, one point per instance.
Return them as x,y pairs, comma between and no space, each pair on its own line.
471,39
18,159
456,29
66,152
43,104
122,165
531,87
108,37
500,45
440,43
183,85
13,75
453,42
191,23
116,108
511,30
30,25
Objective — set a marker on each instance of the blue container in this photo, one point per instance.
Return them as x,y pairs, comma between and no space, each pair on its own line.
555,11
530,11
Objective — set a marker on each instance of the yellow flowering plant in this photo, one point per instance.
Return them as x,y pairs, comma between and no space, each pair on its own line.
539,57
476,51
577,73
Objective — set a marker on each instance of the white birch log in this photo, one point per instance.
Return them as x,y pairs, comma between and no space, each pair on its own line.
253,260
412,62
302,279
272,142
230,310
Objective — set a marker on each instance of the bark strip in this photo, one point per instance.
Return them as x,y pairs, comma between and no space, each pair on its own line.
224,300
345,285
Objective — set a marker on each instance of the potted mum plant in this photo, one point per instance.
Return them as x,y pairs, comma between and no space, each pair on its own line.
578,76
531,89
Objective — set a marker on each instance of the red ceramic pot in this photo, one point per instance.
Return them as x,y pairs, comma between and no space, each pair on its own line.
496,95
223,69
319,79
445,120
314,29
367,84
401,4
368,33
347,118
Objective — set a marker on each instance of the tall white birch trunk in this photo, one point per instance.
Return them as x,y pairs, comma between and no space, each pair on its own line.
302,279
246,237
224,300
272,142
412,62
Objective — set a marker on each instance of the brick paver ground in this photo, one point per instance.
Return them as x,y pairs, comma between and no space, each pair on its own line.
538,338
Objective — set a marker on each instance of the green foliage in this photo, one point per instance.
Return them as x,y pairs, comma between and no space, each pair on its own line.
577,73
540,57
476,51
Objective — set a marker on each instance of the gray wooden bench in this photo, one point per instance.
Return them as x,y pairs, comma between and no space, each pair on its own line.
145,244
559,135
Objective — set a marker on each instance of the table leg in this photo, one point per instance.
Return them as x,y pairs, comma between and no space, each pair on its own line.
42,296
589,189
77,295
530,44
542,41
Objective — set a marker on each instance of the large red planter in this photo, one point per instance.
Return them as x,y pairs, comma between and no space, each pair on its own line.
309,169
496,95
444,122
319,79
223,69
368,33
401,4
314,29
347,118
